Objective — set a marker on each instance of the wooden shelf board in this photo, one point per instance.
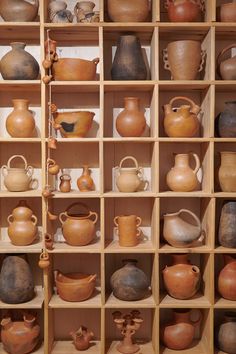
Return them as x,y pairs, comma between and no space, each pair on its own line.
114,86
8,247
27,83
38,350
225,140
75,83
199,301
62,247
67,347
146,347
35,303
197,347
228,195
19,24
191,25
76,194
31,193
221,249
94,302
71,25
113,302
165,248
112,194
230,83
220,302
77,140
194,194
144,247
125,140
185,84
20,140
139,84
183,140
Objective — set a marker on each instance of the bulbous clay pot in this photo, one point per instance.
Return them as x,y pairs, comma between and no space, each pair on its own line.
227,227
182,279
22,229
78,229
19,64
226,280
65,184
44,260
129,179
181,122
128,11
129,283
20,337
179,333
82,338
227,334
53,167
16,281
127,227
227,171
227,121
19,11
227,67
74,69
85,182
184,11
131,121
228,12
181,178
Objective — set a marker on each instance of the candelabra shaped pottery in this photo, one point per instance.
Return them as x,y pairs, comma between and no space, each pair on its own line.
58,12
227,121
85,182
228,12
84,12
226,333
81,338
227,68
184,11
227,171
128,324
128,11
127,228
227,226
226,280
19,11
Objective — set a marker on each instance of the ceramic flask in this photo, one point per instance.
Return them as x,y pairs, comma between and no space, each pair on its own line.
127,228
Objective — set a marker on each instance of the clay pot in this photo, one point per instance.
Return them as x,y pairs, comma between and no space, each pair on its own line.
19,11
131,121
181,178
47,192
227,121
226,335
84,13
130,179
78,229
44,261
85,182
129,283
226,279
16,281
179,233
20,337
228,12
128,11
179,333
227,67
184,11
181,122
65,184
128,62
227,226
52,167
19,64
127,227
184,273
184,59
74,69
52,143
20,122
58,13
17,179
75,286
227,171
22,229
81,338
48,240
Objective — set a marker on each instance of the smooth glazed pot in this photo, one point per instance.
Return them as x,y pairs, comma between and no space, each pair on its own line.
181,122
74,69
75,286
85,182
65,183
228,12
130,179
182,279
131,121
227,227
129,283
227,121
184,59
227,171
16,281
127,227
78,229
19,10
185,10
19,64
227,67
226,335
81,338
128,11
20,337
226,280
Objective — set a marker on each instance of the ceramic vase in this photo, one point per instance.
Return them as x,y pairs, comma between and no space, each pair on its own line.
227,226
227,171
128,11
227,121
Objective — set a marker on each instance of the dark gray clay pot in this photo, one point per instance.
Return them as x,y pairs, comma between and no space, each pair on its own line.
227,121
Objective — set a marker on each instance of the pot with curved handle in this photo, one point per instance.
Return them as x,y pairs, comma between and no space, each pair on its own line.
127,228
227,68
19,11
184,11
130,178
78,229
52,167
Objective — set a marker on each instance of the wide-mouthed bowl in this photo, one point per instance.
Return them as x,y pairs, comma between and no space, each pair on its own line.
73,124
74,69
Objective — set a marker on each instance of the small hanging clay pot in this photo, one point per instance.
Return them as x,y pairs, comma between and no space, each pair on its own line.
85,182
52,166
65,184
44,261
47,192
52,143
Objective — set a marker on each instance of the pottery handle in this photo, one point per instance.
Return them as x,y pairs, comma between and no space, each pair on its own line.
166,60
203,56
61,217
34,219
15,157
193,215
182,98
196,323
51,162
92,278
201,4
93,213
96,61
197,163
138,221
4,170
138,233
129,158
34,180
116,220
30,171
9,219
202,236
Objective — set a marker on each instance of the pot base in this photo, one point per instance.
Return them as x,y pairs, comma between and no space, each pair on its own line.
124,349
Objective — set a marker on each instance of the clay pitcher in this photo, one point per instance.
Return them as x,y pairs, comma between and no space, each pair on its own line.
184,59
20,122
85,182
228,12
227,227
65,184
227,171
181,122
227,67
226,280
182,279
131,121
130,178
185,10
127,227
226,336
181,178
179,233
128,11
82,338
19,10
227,121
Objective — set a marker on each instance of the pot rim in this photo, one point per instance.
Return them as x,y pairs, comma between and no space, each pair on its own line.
228,4
228,152
77,216
73,112
234,101
185,40
75,60
75,281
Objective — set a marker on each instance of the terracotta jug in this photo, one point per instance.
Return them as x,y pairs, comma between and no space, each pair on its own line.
78,229
227,121
47,191
81,338
20,122
226,336
85,182
227,67
179,333
16,280
227,171
181,178
182,279
128,11
129,179
19,64
22,229
65,184
180,233
127,227
129,283
184,59
44,261
227,226
181,122
58,13
128,62
19,10
20,337
131,121
228,12
226,280
184,10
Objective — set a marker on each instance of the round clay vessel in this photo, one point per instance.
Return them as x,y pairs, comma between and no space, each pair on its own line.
131,121
85,182
19,11
127,227
74,69
129,178
58,13
20,122
226,280
16,281
228,12
227,67
129,283
82,338
44,261
226,335
227,121
227,171
128,11
227,227
182,279
19,64
65,184
184,11
20,337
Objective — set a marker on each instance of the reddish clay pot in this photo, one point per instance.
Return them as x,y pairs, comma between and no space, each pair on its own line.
184,10
128,11
74,69
226,280
228,12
